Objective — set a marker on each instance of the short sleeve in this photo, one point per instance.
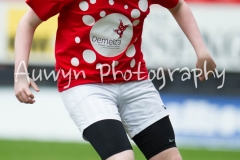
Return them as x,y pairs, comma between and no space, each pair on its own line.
45,9
166,3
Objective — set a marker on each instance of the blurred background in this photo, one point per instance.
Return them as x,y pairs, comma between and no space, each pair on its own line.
206,119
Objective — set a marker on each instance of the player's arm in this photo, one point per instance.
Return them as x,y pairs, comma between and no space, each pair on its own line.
23,42
187,22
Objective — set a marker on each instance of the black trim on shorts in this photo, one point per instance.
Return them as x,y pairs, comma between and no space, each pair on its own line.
156,138
107,137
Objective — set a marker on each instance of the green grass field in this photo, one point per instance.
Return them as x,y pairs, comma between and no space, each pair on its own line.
28,150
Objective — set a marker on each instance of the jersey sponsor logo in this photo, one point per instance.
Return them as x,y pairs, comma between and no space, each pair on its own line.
111,35
106,41
121,29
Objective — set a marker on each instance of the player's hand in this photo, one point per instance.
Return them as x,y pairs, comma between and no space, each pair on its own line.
210,65
22,90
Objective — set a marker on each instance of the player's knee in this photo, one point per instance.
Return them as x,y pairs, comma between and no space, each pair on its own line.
126,155
170,154
121,158
176,157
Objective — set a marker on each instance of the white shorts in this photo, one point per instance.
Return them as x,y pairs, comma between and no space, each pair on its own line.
136,104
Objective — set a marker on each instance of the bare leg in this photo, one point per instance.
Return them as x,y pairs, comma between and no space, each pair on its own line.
125,155
169,154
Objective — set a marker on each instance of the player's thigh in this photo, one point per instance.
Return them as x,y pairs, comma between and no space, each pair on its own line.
109,139
90,103
145,118
157,141
94,110
140,106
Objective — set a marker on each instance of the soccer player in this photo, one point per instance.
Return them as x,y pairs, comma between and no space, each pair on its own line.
107,91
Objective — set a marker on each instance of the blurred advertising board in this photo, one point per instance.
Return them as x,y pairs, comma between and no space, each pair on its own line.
43,42
164,44
198,121
207,121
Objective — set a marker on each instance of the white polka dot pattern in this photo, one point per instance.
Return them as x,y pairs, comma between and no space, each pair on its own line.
131,51
133,62
102,14
136,22
77,40
115,63
135,13
111,2
89,56
83,6
92,1
88,20
75,62
98,66
143,5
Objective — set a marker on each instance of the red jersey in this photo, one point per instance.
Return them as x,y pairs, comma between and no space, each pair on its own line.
98,41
